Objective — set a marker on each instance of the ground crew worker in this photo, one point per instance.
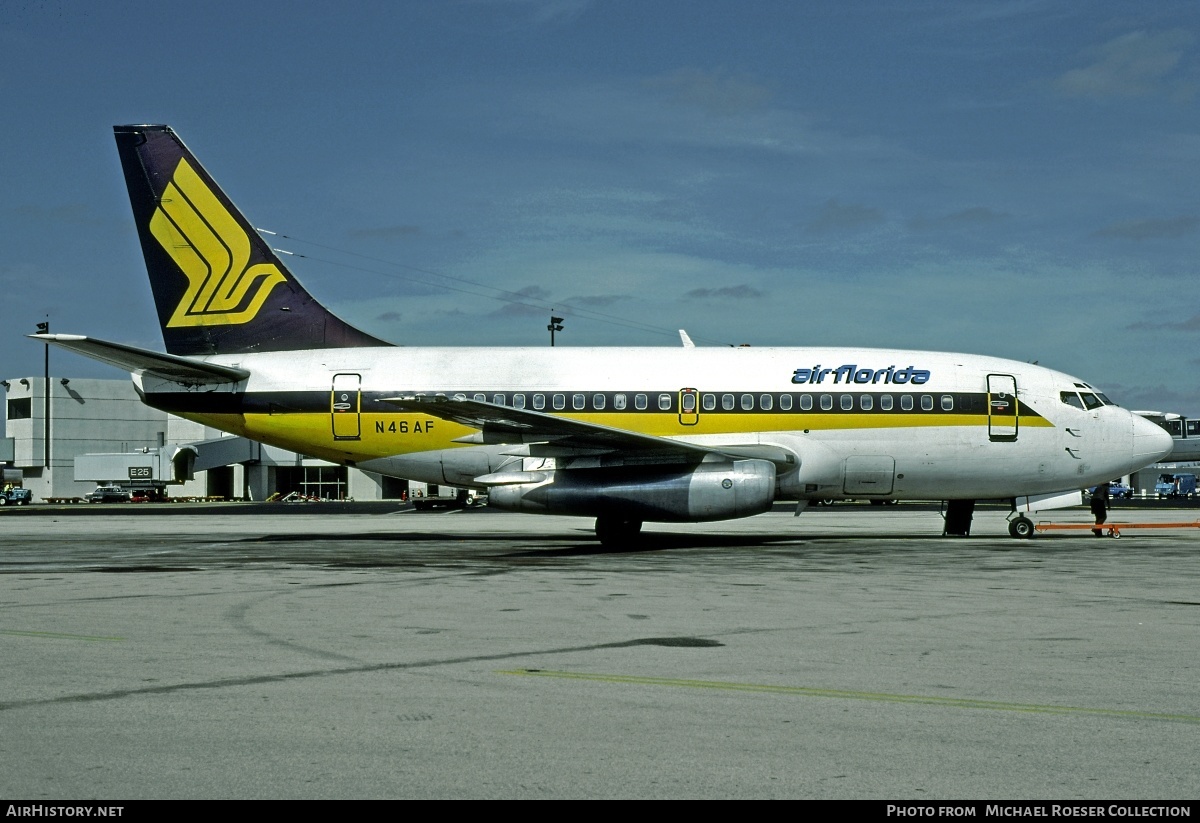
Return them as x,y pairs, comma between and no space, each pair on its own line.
1100,507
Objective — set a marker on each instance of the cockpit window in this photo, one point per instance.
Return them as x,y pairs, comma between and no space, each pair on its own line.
1090,400
1071,399
1104,399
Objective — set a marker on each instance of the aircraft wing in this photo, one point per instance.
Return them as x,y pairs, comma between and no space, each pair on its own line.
504,424
171,367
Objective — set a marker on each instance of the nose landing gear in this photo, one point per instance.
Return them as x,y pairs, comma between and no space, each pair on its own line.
1021,527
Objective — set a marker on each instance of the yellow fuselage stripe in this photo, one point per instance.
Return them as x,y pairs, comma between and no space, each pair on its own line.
385,435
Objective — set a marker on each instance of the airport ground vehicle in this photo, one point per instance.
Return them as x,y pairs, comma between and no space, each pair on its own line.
108,494
624,435
15,497
1116,490
445,497
1175,485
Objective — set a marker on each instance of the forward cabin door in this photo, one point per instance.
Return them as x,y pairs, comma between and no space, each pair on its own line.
1003,409
345,406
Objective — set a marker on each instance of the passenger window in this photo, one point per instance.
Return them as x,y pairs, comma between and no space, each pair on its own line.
926,402
846,401
518,401
748,402
482,398
640,402
539,401
727,402
866,402
947,402
709,402
885,402
806,402
664,402
618,401
826,402
766,402
498,399
460,396
597,401
906,402
785,402
1090,400
578,401
560,401
1071,399
1193,428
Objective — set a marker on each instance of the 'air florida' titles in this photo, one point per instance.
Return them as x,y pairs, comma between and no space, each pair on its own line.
853,374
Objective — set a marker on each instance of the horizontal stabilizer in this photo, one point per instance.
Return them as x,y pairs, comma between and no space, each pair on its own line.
171,367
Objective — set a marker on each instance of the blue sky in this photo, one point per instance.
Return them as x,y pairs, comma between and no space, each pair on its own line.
1009,178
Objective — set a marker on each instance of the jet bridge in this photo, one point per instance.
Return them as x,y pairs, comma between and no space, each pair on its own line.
170,464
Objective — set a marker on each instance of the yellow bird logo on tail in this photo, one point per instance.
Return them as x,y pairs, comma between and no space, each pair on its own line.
213,251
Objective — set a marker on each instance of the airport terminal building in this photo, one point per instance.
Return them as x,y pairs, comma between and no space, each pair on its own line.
89,432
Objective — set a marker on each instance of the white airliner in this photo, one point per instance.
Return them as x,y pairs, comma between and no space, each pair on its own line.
624,435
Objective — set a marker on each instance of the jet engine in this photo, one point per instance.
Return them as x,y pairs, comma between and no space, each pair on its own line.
684,493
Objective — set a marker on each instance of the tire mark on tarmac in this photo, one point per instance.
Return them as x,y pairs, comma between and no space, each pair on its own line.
883,697
234,682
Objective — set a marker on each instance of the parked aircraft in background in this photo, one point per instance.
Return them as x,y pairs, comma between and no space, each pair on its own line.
619,434
1184,431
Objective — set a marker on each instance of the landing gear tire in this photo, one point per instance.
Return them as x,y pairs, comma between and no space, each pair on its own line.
618,533
1021,528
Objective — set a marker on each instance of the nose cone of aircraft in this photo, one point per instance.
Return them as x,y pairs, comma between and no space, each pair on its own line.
1151,443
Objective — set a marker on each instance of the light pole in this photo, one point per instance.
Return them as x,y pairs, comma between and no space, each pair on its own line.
555,325
44,328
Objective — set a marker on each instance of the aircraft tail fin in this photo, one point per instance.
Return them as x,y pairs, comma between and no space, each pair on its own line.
218,287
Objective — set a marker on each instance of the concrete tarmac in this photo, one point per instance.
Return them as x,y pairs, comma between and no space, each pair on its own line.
849,653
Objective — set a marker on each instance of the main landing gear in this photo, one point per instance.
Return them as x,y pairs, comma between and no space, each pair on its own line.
617,532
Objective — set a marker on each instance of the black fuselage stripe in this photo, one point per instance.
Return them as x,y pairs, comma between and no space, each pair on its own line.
310,402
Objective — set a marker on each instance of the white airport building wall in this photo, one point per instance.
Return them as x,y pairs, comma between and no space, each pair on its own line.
85,416
98,417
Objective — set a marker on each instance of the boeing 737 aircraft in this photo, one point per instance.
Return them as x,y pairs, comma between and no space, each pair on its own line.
619,434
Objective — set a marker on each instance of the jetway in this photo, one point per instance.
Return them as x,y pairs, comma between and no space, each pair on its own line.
169,464
172,463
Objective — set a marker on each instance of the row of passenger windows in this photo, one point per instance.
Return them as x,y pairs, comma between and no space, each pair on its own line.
727,402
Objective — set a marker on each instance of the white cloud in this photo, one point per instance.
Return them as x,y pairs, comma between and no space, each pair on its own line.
1136,64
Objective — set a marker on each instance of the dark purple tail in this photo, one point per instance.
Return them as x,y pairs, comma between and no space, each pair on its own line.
218,287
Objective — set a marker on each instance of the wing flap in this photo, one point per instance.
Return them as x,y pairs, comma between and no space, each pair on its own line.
552,435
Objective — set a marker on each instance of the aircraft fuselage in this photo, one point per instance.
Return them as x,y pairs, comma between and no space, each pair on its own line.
873,423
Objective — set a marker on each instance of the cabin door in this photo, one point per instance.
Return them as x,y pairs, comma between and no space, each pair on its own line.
1003,409
345,406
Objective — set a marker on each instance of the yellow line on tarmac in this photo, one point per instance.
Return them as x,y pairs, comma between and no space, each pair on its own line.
58,636
805,691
